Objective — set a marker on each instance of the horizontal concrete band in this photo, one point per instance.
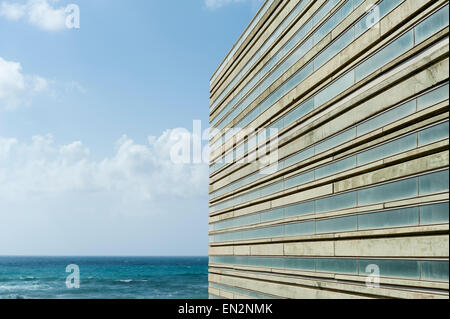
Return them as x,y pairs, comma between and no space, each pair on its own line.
371,41
278,16
367,231
308,277
368,178
307,14
313,164
309,128
291,287
298,141
257,33
423,201
278,11
365,246
258,248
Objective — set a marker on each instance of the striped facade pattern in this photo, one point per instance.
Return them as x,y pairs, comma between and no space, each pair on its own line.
329,172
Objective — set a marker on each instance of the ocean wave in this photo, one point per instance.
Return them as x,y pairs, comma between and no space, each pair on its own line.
34,286
27,278
125,280
146,278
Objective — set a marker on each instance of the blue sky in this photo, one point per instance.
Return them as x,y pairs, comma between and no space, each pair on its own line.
85,120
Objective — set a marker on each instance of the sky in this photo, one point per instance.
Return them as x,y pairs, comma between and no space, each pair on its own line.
87,119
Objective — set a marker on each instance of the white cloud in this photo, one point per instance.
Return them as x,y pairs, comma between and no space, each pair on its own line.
12,11
40,13
74,86
5,146
216,4
135,173
58,200
16,88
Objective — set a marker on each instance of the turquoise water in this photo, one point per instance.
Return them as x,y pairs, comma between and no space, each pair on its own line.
105,277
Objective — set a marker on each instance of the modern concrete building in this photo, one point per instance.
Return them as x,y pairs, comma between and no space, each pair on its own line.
329,162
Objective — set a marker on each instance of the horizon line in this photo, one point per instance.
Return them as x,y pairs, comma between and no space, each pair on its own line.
167,256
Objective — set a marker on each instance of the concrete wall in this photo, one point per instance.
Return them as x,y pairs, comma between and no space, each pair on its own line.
281,261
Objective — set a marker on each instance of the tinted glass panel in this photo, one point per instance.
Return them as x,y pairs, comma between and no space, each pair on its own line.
299,157
387,117
337,225
337,265
433,134
334,48
437,213
391,268
298,229
387,192
299,179
300,263
300,209
373,17
392,218
433,183
433,97
298,113
335,141
432,24
272,215
334,89
336,202
397,146
337,167
387,54
435,270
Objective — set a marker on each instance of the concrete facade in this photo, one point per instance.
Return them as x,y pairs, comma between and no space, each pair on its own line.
330,153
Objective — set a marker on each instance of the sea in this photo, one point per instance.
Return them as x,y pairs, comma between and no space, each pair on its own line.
103,277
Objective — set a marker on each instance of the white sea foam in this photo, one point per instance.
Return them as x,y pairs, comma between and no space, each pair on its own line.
34,286
126,280
27,278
